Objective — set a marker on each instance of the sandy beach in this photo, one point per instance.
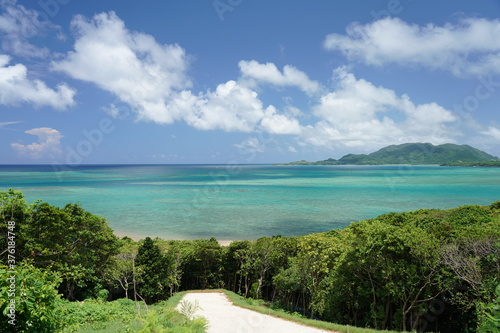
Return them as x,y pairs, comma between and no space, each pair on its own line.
135,237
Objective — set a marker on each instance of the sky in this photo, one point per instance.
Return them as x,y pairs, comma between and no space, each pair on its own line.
240,81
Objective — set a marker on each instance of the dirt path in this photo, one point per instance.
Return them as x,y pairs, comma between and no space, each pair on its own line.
224,317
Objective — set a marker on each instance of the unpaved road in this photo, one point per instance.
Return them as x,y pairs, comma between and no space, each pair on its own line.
224,317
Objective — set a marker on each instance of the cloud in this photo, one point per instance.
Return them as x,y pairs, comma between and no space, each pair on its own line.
275,123
269,73
131,65
158,156
8,123
231,107
152,79
469,47
48,145
251,145
492,132
235,106
18,25
16,88
359,114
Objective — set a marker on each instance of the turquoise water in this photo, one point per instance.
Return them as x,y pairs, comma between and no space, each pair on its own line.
249,201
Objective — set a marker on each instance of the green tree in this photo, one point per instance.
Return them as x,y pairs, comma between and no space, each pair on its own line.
153,269
122,269
13,210
235,259
396,268
203,264
71,241
489,319
317,256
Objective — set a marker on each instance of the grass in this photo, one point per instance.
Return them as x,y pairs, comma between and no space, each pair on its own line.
121,316
116,326
174,300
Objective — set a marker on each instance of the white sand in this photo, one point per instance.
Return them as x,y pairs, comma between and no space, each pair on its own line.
225,242
224,317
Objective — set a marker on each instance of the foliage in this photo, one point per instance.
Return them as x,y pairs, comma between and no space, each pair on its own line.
169,320
202,264
189,309
122,270
95,313
427,270
120,316
13,209
153,266
28,299
489,320
71,241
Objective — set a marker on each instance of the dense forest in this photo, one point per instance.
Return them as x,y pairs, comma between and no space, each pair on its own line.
428,270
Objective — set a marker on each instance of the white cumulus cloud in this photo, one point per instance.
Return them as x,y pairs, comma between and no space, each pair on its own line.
16,87
152,79
276,123
359,114
131,65
48,145
231,107
269,73
469,47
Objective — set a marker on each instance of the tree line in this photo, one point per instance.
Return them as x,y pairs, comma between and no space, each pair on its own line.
427,270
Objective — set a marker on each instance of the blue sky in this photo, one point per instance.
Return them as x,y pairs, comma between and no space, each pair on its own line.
240,81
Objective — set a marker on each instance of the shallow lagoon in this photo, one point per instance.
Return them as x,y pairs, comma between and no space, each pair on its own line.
249,201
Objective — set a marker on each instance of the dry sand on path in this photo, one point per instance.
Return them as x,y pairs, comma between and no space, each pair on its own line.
224,317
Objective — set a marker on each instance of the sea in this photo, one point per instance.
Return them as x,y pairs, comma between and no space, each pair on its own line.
235,202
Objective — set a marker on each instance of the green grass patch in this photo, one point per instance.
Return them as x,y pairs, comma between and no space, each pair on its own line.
121,316
174,300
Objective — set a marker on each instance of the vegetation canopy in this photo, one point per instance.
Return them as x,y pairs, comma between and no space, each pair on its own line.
428,270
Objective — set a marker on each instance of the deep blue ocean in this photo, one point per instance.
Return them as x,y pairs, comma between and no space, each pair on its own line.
233,202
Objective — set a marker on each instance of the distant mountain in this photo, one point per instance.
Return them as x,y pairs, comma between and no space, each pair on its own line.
413,153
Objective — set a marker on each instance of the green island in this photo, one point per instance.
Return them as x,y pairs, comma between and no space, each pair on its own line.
415,154
430,270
